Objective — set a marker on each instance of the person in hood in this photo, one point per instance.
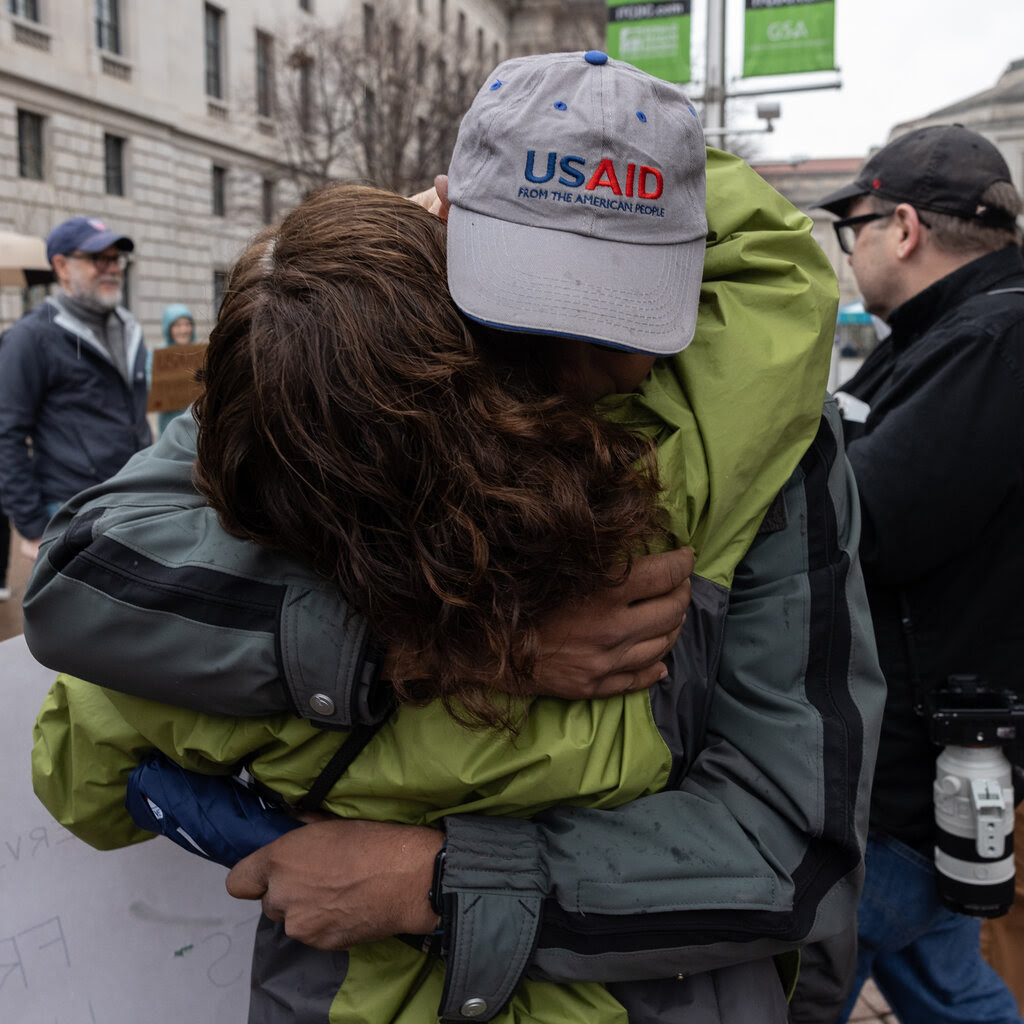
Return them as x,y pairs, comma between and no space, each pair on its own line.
179,328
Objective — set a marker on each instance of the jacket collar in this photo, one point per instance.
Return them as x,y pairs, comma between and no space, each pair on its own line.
67,321
1001,268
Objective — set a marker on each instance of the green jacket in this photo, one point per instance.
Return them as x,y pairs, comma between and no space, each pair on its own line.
737,419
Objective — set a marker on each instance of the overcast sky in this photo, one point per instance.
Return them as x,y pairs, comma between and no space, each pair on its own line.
897,59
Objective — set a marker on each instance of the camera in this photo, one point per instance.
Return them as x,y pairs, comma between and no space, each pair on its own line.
973,792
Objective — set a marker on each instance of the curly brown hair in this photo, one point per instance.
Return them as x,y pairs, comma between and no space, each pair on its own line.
353,419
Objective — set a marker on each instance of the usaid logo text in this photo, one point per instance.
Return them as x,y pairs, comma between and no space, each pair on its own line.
640,181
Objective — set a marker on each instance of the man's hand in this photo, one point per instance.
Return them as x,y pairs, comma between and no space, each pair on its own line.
336,883
613,642
30,548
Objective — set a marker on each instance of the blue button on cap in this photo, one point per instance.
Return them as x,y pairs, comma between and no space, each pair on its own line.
595,57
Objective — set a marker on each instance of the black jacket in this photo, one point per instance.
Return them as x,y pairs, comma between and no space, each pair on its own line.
59,387
939,463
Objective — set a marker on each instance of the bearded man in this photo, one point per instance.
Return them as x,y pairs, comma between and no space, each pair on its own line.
72,381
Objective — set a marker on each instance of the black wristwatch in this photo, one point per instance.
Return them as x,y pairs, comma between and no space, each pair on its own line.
435,883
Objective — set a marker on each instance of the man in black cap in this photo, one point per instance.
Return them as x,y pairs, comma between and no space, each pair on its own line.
934,424
72,381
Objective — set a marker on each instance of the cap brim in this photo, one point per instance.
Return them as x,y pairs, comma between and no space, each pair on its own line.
642,298
101,241
839,201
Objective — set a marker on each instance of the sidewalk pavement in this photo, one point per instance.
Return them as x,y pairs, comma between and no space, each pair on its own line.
17,576
872,1008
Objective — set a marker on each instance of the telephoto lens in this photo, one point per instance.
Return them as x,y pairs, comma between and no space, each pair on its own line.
974,836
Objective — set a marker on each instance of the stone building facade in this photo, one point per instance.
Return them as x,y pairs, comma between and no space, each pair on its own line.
145,113
539,26
997,113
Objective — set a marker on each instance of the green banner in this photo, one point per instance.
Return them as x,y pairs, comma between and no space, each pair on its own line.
654,36
782,37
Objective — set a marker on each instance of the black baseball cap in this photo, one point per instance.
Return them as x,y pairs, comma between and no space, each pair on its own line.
945,168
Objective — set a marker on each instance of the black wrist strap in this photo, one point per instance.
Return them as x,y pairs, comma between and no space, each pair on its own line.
435,883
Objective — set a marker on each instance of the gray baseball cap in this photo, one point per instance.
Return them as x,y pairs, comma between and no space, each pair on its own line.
577,192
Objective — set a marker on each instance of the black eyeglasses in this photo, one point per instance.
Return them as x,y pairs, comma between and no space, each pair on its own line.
846,232
102,260
845,228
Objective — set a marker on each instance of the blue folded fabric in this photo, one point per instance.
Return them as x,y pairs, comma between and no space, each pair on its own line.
213,816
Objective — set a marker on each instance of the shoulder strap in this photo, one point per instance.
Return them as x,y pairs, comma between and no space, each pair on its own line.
349,750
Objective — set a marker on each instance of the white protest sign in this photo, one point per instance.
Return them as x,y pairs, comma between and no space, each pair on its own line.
143,934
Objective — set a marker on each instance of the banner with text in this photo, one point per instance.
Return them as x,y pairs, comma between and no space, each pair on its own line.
782,37
654,36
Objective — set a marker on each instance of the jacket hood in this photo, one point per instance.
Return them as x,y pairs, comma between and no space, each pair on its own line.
734,413
174,312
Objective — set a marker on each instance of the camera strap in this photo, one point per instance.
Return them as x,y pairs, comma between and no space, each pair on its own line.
913,667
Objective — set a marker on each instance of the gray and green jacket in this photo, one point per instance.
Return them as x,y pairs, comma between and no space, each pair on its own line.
740,812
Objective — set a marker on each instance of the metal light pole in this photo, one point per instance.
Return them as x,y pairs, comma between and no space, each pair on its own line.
715,92
714,86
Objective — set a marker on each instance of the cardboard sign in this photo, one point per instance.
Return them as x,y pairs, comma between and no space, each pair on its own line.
147,933
174,386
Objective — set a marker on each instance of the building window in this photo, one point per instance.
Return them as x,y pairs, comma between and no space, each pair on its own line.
126,285
306,95
369,114
442,14
368,26
268,200
32,296
460,30
218,191
421,63
113,165
30,145
220,286
480,44
214,34
108,25
264,74
27,9
305,5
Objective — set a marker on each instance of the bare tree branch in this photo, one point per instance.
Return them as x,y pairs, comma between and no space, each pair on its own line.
369,100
